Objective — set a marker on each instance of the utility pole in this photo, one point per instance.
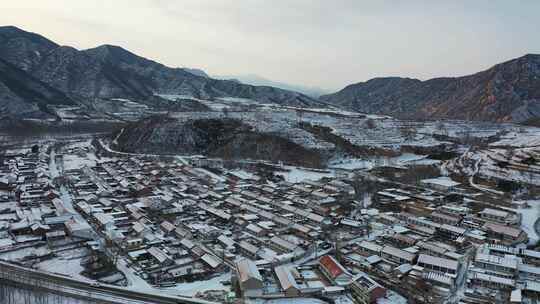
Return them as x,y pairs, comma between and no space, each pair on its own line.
299,116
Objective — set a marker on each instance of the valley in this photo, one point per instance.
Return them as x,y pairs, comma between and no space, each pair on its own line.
183,199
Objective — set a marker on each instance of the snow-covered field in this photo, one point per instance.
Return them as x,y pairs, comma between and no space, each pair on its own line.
68,266
23,253
357,128
190,289
520,138
369,163
72,162
529,216
504,164
137,283
296,175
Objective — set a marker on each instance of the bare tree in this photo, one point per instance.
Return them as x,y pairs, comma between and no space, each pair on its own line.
425,290
259,116
299,116
509,154
370,124
225,112
407,132
362,185
442,128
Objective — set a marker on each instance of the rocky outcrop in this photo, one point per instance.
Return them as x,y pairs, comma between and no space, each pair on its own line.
223,138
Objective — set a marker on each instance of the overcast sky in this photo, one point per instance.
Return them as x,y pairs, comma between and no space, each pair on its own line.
325,43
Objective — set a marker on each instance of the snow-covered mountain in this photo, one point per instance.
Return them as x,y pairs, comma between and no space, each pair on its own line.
261,81
39,75
26,96
509,91
108,72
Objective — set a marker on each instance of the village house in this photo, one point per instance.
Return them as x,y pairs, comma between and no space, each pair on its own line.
333,270
287,282
438,264
397,256
365,290
249,278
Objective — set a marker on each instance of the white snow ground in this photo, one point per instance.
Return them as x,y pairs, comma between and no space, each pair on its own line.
296,174
137,283
529,216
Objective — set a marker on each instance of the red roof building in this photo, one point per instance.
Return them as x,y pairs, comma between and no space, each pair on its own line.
333,270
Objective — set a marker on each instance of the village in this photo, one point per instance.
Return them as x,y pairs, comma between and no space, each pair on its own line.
228,231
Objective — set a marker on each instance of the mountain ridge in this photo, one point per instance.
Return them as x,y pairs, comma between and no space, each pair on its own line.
109,71
257,80
506,92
